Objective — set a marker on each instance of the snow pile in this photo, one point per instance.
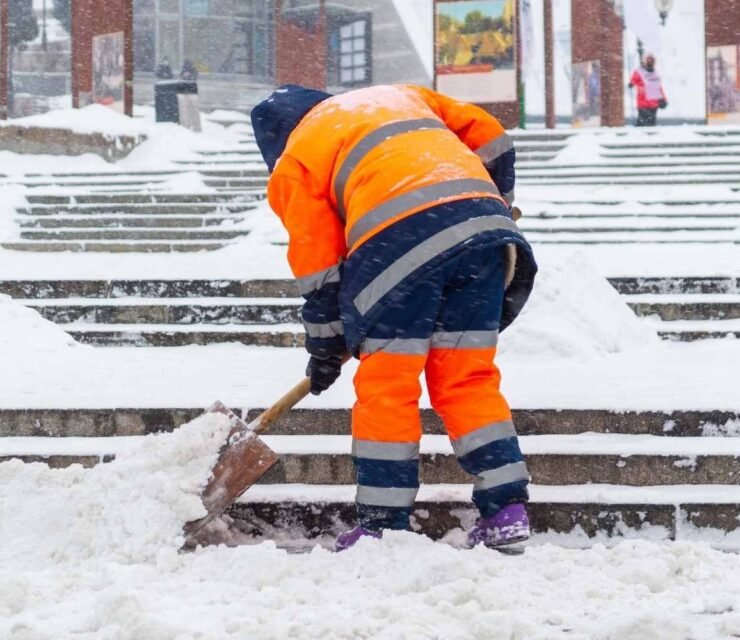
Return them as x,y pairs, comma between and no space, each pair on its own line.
574,312
129,510
94,118
402,587
25,332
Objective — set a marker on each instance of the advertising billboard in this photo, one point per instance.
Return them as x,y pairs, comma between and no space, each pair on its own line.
723,84
475,46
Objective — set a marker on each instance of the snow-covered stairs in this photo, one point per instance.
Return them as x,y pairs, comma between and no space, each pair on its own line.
133,221
267,312
657,474
685,309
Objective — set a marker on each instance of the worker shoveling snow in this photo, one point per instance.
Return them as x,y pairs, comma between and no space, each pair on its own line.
93,554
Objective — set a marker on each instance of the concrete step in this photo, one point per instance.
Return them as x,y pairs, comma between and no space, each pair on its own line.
70,235
106,422
702,145
171,311
687,307
532,225
735,202
257,174
708,155
136,198
209,208
92,182
678,179
689,164
236,183
286,335
439,514
552,460
684,330
608,173
708,238
676,285
223,288
682,217
524,137
229,288
44,246
93,221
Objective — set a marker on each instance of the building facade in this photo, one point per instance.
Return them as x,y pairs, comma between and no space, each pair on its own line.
262,43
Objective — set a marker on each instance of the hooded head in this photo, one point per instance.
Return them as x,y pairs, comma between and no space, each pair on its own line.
274,119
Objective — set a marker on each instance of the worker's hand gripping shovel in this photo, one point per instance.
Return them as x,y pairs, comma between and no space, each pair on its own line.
244,459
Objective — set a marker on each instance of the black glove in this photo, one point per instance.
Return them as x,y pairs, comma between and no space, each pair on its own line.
323,372
662,104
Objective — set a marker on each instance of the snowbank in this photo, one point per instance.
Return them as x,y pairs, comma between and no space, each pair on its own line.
129,510
24,332
94,118
574,312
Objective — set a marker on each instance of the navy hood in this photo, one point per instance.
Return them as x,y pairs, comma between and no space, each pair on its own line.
274,119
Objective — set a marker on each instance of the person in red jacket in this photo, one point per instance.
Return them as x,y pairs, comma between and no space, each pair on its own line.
397,201
650,94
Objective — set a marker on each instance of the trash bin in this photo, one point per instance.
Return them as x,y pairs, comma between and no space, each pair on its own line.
177,101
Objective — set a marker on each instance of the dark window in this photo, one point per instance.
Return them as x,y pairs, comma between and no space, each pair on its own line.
350,53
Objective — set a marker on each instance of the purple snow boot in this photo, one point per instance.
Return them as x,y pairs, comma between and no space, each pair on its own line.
349,538
508,526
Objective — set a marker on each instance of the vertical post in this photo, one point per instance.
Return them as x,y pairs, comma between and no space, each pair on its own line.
522,115
128,57
4,51
612,67
549,68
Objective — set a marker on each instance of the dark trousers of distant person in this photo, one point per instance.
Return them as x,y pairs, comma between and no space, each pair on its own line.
646,117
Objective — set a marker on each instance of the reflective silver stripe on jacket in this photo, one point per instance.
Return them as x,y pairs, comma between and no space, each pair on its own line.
369,142
408,346
509,197
386,497
464,339
324,330
375,450
418,198
423,253
314,281
481,437
514,472
494,149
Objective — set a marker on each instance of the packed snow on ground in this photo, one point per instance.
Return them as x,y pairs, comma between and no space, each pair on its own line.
93,554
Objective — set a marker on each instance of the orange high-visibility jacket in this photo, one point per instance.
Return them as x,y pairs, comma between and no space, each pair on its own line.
360,165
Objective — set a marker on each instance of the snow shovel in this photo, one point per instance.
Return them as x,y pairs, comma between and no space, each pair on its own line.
245,458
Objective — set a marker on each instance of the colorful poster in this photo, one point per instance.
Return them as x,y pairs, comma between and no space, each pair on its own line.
108,76
723,85
586,93
475,44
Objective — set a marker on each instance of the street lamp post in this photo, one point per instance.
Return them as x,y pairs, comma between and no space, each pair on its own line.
663,7
43,26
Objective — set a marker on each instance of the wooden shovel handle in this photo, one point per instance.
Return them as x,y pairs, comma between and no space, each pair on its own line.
268,417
